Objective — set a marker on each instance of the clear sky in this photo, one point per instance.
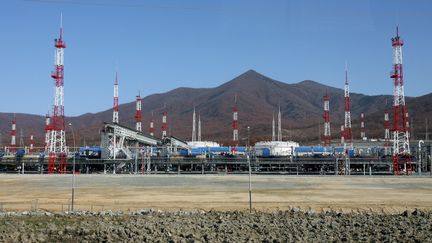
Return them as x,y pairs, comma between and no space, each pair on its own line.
157,46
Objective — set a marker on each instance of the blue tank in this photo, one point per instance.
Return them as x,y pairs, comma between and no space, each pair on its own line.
20,153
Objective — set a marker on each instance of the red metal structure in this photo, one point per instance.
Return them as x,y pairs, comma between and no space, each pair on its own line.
57,136
235,123
13,145
326,117
401,149
115,106
164,126
347,109
138,114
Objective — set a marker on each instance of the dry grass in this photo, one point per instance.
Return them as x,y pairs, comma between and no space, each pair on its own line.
120,192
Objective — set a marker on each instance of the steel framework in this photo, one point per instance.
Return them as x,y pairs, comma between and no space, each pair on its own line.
57,137
400,130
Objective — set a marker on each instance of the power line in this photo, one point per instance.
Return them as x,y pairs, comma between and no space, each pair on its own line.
125,4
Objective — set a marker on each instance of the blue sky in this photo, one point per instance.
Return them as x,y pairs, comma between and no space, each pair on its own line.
157,46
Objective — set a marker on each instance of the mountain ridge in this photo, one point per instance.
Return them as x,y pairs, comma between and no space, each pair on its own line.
258,98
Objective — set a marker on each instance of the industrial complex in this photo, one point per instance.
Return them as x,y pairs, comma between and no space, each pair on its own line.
139,150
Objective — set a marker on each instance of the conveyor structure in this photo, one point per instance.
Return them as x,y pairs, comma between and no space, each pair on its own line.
119,142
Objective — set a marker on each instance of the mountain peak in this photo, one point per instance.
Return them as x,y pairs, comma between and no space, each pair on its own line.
251,74
249,77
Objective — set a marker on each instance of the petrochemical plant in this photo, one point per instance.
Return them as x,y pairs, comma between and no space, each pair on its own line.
136,151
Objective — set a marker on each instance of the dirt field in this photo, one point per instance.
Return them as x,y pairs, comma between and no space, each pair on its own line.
222,192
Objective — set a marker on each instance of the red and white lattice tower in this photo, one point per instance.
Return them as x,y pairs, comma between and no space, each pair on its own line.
31,143
386,131
57,138
13,145
164,126
347,109
116,104
151,128
138,114
47,131
362,126
326,117
401,149
347,127
235,123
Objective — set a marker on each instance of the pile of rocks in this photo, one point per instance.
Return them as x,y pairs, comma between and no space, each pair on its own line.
214,226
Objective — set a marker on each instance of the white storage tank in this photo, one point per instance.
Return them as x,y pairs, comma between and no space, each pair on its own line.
275,148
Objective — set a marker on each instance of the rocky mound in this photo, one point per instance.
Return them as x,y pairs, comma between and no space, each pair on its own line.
180,226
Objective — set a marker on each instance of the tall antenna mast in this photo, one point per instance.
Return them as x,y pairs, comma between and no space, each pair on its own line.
326,117
164,122
138,113
347,108
400,113
115,107
235,122
57,139
13,135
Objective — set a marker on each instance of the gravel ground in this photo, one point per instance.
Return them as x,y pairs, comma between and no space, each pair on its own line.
214,226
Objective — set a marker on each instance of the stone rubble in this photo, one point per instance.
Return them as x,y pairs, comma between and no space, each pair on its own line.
150,225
